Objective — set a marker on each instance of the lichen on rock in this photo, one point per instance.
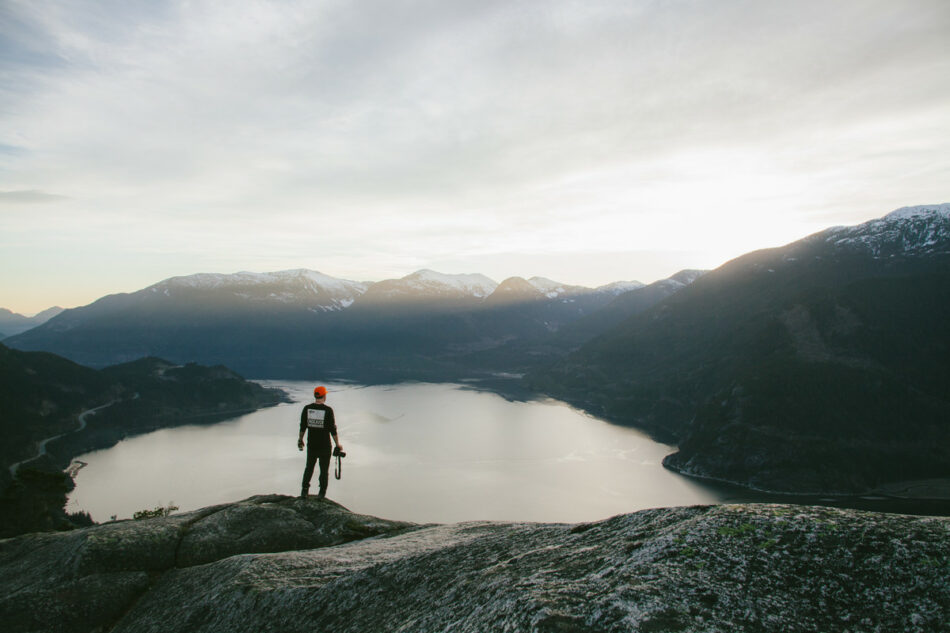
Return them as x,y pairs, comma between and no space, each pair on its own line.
255,565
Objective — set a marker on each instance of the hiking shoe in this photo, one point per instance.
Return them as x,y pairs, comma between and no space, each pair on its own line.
321,494
304,493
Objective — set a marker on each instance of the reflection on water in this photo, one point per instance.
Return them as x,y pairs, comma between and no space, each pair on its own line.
417,452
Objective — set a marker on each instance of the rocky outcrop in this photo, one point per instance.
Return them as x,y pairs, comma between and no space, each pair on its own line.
85,580
281,564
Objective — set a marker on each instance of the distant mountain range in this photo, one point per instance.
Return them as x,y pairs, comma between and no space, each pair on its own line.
12,323
819,366
302,323
823,365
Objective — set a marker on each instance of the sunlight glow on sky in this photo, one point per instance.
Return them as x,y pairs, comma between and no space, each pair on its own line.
587,142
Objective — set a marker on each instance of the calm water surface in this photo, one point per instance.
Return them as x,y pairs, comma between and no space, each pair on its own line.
419,452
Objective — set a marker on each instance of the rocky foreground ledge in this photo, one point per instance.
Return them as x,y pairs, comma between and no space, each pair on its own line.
276,563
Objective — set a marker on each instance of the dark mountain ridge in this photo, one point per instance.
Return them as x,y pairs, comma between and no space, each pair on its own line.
525,353
819,366
624,306
300,323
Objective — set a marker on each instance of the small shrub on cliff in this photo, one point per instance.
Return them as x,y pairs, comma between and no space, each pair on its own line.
159,511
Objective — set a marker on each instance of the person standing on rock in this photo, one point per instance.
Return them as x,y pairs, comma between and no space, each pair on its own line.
316,419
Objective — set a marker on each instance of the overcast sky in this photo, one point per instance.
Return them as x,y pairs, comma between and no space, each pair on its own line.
583,141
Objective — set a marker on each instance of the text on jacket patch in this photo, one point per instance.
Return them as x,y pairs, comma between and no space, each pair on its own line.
315,418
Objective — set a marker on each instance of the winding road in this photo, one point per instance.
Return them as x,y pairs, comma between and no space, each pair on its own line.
41,449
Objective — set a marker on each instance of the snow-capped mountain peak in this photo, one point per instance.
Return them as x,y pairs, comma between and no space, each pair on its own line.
918,230
554,289
309,287
428,285
245,278
920,211
473,284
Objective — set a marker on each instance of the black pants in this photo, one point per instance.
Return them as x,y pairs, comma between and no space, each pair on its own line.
314,452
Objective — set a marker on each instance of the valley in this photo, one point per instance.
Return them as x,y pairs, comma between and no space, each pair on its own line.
816,367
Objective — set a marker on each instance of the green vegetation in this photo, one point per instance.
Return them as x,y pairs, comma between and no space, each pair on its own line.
728,530
158,511
34,500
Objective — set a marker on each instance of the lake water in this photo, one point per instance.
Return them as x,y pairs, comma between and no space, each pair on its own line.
419,452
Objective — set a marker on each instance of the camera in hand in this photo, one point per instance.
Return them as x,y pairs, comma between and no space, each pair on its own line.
338,452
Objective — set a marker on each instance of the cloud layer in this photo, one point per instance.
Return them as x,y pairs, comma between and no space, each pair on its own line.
368,139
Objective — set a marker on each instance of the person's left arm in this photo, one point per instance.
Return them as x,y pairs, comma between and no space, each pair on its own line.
333,432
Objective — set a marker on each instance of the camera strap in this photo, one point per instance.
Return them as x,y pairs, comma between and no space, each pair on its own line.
338,470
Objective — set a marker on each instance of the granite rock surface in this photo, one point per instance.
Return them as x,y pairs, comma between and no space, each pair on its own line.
274,563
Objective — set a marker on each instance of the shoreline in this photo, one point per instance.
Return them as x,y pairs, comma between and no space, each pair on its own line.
929,497
932,489
932,493
936,489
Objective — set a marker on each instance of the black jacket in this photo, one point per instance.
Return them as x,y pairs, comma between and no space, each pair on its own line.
320,424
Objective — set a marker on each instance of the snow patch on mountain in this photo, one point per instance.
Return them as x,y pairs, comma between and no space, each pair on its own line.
309,278
303,286
554,289
920,211
548,287
918,230
688,275
670,283
476,285
620,287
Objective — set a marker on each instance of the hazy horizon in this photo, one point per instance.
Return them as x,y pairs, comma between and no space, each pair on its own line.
236,272
584,142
